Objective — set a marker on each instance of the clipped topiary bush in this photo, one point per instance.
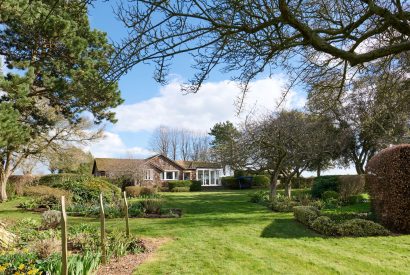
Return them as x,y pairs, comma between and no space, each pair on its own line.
361,228
283,204
305,214
260,181
148,191
388,179
324,183
327,195
133,191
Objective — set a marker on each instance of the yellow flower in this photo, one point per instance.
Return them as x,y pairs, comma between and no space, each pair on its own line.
2,268
21,266
32,272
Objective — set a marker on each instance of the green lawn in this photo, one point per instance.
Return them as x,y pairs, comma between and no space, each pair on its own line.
222,233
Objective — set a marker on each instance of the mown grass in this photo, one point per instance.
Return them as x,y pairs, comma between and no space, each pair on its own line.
223,233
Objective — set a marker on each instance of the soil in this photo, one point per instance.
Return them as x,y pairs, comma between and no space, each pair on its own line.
126,265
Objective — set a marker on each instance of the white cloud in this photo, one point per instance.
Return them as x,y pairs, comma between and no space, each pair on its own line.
213,103
334,171
113,146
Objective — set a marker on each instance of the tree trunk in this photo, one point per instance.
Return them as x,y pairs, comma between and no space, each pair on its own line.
273,185
288,188
318,171
3,183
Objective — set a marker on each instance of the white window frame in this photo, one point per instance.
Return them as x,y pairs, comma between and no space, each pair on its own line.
217,179
186,172
175,174
149,174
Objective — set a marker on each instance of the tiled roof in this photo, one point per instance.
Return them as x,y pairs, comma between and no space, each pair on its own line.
198,164
118,165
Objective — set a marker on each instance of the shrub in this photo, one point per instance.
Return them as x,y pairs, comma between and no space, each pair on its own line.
324,225
283,204
327,195
195,186
324,183
50,219
305,214
389,186
356,199
350,185
148,191
261,181
151,206
230,182
45,248
259,197
133,191
361,228
42,190
135,209
85,189
180,189
179,183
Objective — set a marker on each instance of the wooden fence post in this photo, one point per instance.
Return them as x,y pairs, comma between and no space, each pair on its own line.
127,226
64,252
102,223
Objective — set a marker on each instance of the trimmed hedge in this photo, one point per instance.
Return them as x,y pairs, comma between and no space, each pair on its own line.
302,182
351,185
324,225
361,228
324,183
260,181
305,214
389,183
192,185
230,182
330,195
133,191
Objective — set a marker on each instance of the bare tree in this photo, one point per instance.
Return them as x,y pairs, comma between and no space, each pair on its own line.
174,142
160,140
308,38
185,146
200,147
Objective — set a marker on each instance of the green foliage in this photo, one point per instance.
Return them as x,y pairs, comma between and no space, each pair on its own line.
361,198
259,197
283,204
179,183
302,182
324,225
151,206
230,182
361,228
133,191
195,186
135,209
180,189
261,181
305,214
324,183
148,191
327,195
351,185
85,189
141,191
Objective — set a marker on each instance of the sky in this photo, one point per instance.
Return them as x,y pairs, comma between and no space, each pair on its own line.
148,105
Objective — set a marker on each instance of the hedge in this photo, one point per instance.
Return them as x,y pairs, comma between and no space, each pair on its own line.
302,182
324,183
305,214
389,186
180,189
351,185
260,181
230,182
191,185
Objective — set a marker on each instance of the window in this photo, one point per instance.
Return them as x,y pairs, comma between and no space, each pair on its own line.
149,174
170,175
187,176
209,177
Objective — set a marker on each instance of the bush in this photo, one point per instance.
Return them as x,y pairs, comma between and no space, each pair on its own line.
327,195
54,194
283,204
389,186
324,183
85,189
324,225
230,182
350,185
148,191
195,186
356,199
261,181
133,191
179,183
151,206
259,197
135,209
180,189
361,228
305,214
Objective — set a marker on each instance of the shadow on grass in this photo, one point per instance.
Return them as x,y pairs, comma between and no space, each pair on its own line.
287,228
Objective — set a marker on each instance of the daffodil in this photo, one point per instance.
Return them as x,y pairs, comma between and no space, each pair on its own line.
2,268
21,266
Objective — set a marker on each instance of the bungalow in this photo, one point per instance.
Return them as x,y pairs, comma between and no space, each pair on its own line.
158,169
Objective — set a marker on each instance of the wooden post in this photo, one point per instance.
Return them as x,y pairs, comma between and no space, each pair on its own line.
102,221
127,226
64,252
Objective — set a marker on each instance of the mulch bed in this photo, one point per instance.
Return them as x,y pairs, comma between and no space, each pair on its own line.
126,265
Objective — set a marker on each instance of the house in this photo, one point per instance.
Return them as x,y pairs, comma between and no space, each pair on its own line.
158,169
